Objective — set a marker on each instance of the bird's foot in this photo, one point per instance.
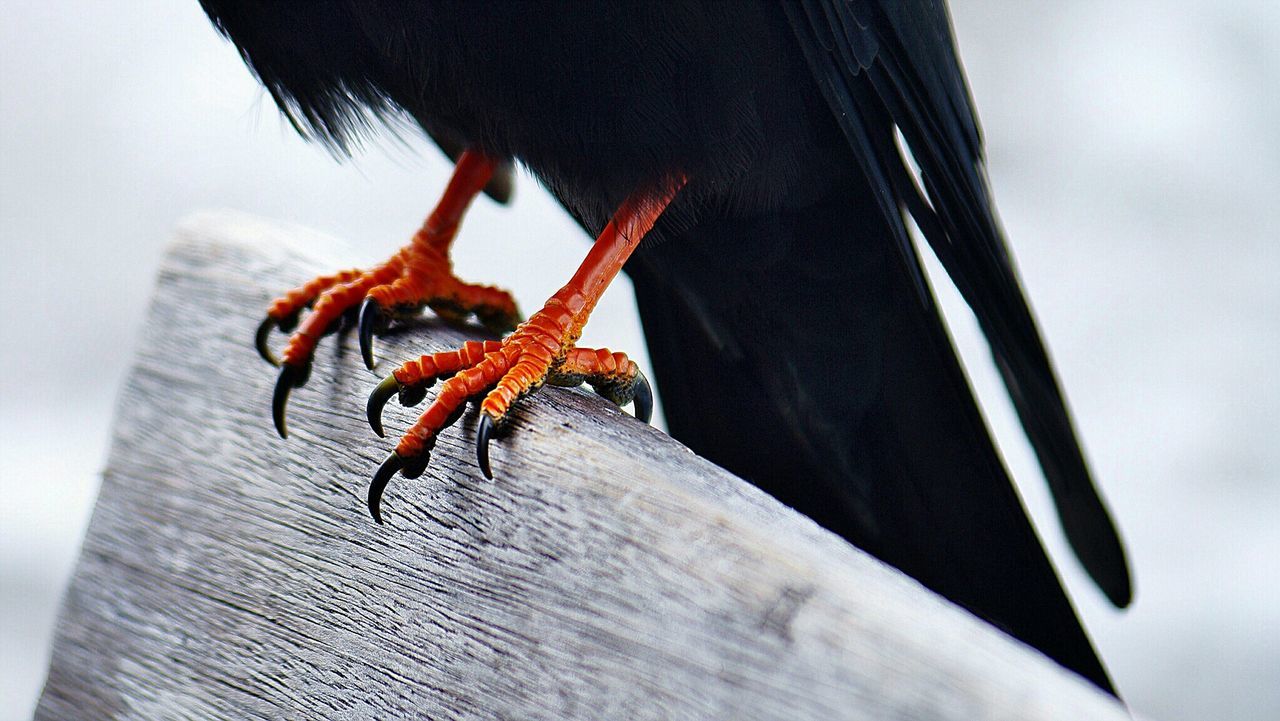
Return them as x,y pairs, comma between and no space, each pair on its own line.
398,289
540,351
419,275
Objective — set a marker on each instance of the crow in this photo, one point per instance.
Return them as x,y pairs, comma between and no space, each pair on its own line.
754,165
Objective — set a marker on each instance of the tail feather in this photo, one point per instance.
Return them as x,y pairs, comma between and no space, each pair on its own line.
810,367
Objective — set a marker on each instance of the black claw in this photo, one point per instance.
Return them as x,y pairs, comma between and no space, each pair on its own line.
381,478
378,400
290,377
643,398
370,317
261,337
482,444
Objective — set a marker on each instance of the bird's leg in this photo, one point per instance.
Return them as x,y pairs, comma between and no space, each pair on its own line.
541,350
418,274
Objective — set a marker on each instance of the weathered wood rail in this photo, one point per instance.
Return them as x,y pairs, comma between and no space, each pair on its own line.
607,573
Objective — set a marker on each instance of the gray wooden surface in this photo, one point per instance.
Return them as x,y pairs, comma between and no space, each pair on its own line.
607,572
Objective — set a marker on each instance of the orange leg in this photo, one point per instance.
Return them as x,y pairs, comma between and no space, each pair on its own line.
418,274
540,350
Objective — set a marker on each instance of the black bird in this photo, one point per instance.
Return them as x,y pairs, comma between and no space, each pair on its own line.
794,338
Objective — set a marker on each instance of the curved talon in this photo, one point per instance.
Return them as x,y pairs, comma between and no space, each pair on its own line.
260,340
370,317
483,432
643,398
378,400
290,377
381,478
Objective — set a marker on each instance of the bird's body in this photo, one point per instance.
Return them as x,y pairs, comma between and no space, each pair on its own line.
793,338
604,108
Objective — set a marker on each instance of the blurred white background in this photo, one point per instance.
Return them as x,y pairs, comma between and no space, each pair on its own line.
1135,151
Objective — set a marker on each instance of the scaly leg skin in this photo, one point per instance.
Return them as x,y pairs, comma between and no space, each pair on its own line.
541,350
418,274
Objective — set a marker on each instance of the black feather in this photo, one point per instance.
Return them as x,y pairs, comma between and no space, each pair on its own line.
917,79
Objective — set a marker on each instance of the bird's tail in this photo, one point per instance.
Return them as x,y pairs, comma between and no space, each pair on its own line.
809,366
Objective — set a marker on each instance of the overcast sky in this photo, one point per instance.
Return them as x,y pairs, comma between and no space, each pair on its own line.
1134,147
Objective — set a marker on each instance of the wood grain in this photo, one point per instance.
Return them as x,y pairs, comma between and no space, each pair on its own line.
607,572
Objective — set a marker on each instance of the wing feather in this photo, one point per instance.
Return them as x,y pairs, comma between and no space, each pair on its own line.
878,59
